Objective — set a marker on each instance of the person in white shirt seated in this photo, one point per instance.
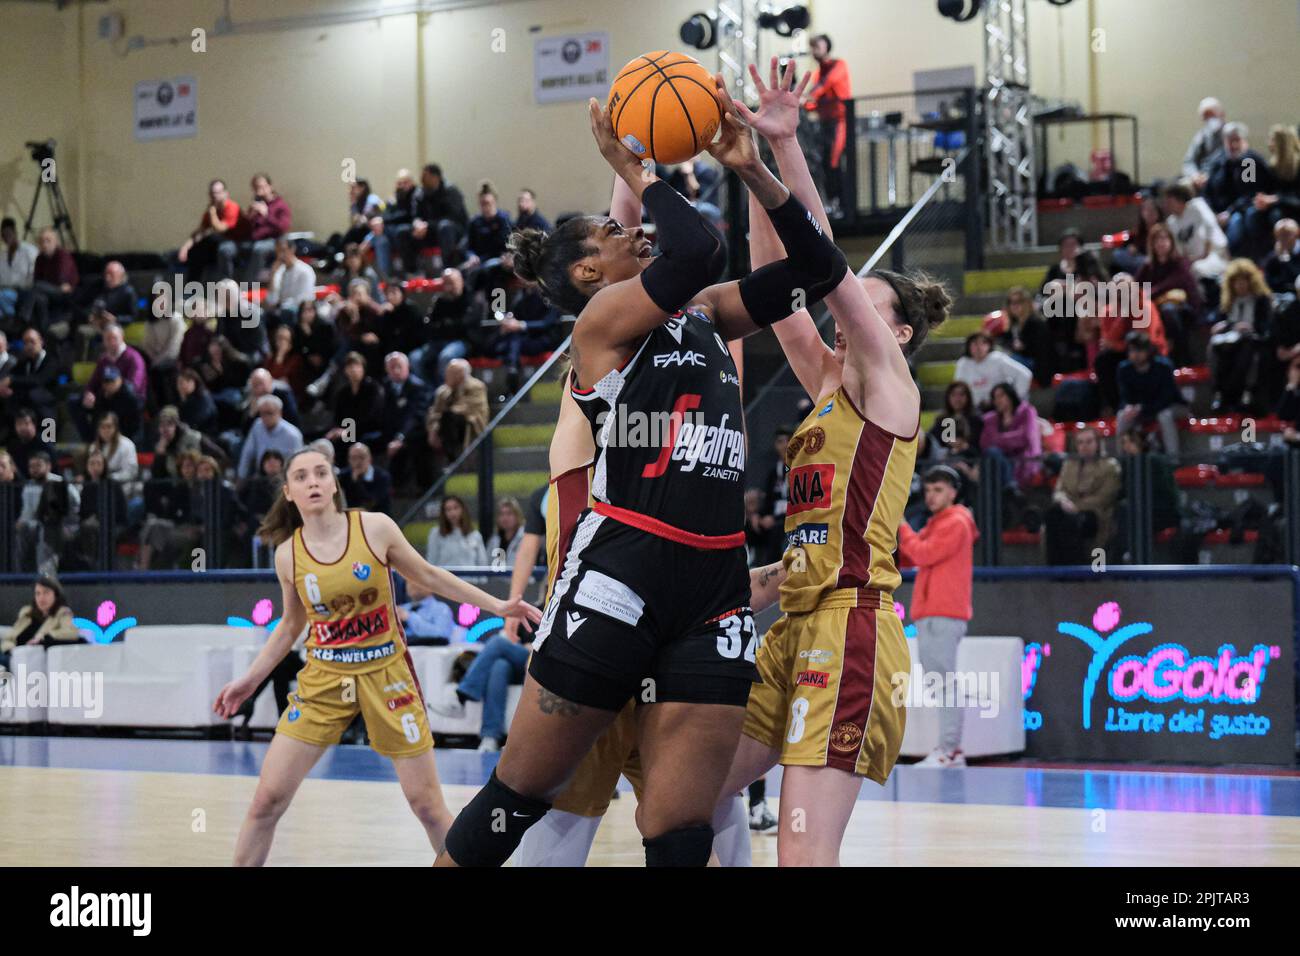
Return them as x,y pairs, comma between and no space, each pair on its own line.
17,265
426,618
293,282
1198,232
982,367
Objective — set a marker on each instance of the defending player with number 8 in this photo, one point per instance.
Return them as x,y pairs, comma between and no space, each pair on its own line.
335,569
652,604
825,707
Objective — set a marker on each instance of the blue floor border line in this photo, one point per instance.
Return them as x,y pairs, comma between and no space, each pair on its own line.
1138,789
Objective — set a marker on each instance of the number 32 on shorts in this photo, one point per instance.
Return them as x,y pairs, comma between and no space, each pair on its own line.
737,637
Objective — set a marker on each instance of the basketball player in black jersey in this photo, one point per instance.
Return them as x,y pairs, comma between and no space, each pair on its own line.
653,601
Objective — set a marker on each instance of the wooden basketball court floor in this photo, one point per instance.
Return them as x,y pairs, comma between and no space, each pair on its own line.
72,801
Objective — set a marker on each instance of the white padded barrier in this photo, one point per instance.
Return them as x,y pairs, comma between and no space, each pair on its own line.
433,668
19,703
158,676
992,669
265,712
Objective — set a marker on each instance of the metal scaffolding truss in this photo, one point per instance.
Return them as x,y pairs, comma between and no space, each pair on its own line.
1009,126
738,45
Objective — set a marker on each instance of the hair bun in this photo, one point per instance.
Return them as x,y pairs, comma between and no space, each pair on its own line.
936,303
526,247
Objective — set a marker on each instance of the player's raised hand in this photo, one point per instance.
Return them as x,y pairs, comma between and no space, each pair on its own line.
777,116
734,147
621,159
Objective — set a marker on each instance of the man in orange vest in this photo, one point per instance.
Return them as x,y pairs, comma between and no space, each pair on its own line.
830,88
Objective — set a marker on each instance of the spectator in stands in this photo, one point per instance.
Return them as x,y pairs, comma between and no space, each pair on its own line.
758,529
488,679
402,327
353,267
360,402
1134,254
440,218
217,497
26,440
119,453
215,241
174,438
1198,232
486,239
958,406
239,322
260,491
1206,142
173,516
124,358
201,330
1068,248
293,282
1011,433
1173,288
426,618
1282,267
359,321
452,322
1164,487
260,383
1124,308
981,367
774,498
195,404
1022,333
366,485
831,86
269,218
10,487
224,371
1238,340
1237,176
363,205
114,395
406,400
1147,391
453,541
46,622
399,215
529,329
316,340
110,297
1068,351
49,514
528,217
1083,502
33,379
285,364
507,535
270,431
17,272
459,412
1268,208
82,550
164,332
942,553
54,277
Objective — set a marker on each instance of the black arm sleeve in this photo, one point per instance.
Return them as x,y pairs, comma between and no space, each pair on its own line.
813,266
692,253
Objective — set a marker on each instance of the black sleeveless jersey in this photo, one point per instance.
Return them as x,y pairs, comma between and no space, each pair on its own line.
669,430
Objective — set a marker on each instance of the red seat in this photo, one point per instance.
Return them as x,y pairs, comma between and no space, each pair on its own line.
1054,205
1221,536
1242,479
1082,376
1115,240
1212,426
1021,536
1190,374
1167,535
128,549
1196,476
145,458
485,363
423,285
323,291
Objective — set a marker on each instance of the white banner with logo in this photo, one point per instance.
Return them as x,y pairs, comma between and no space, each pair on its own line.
166,109
574,67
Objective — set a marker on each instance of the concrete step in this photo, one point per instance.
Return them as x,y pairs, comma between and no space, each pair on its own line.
532,458
535,435
930,374
533,413
519,484
942,350
987,281
957,328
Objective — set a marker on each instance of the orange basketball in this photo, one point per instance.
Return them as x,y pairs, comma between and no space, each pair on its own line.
663,106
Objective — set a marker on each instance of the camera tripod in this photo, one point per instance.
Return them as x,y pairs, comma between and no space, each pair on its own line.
60,218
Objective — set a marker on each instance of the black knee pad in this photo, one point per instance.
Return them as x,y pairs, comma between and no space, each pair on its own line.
689,846
490,827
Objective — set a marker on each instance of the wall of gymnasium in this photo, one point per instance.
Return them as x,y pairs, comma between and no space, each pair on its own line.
403,90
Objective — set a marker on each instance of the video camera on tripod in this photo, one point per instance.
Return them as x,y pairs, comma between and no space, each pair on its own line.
60,218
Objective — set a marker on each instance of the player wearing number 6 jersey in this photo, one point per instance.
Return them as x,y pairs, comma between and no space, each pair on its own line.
335,569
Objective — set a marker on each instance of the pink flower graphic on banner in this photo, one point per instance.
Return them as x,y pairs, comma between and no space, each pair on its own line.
1106,617
105,613
262,612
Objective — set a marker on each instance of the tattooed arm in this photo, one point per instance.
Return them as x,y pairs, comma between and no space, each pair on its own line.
765,585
